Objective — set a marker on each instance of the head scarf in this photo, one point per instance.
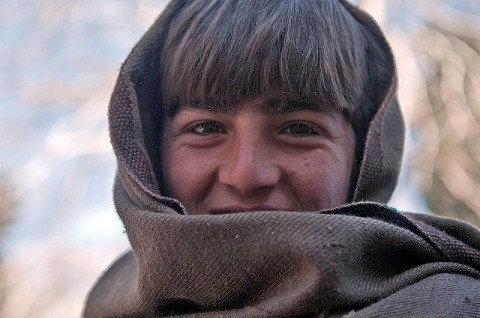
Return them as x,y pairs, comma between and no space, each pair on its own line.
360,260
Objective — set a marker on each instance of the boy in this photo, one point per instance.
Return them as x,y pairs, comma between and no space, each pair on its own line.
248,134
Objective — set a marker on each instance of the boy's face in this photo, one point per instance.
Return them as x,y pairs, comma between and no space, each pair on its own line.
266,154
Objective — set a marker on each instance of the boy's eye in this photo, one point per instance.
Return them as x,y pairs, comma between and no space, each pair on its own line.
301,129
207,128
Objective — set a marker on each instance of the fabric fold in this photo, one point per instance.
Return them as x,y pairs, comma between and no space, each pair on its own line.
363,259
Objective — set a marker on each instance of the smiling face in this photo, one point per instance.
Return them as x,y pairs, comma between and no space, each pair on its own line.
262,154
247,156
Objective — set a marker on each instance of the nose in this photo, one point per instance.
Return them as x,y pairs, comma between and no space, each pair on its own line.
250,165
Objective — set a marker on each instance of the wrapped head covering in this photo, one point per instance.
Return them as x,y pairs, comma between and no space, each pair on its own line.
361,260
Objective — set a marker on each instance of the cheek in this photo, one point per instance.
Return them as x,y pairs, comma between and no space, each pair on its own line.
186,176
320,183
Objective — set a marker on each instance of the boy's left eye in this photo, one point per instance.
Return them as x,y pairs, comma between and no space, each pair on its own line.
301,129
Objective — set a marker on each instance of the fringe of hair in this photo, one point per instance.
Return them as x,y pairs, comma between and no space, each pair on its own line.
226,50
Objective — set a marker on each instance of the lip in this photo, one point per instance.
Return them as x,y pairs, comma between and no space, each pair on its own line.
240,209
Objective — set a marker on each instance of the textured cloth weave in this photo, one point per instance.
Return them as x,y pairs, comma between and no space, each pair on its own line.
360,260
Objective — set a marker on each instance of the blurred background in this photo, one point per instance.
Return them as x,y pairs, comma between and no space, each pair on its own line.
58,64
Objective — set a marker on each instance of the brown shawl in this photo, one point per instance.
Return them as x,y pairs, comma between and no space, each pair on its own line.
360,260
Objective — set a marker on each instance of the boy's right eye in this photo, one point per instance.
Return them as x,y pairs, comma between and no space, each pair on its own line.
207,128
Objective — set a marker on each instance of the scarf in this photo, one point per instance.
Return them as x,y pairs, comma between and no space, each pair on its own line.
363,259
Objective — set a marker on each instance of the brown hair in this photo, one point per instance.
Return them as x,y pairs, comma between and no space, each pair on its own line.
315,51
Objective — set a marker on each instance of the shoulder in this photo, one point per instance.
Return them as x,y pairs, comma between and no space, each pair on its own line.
440,295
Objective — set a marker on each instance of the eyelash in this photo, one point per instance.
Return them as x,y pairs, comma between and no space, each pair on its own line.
194,128
313,130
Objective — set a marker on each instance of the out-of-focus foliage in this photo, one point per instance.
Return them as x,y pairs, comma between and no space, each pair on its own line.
447,161
437,47
7,208
58,64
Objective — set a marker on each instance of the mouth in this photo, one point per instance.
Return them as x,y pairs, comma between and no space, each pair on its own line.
240,209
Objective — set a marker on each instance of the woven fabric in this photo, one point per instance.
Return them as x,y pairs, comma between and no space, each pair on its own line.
360,260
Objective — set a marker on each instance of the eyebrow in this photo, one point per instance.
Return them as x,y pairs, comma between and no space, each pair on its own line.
279,106
273,106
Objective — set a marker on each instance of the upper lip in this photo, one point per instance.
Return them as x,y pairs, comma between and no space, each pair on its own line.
239,208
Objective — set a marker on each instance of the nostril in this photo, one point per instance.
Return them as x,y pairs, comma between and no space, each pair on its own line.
246,178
